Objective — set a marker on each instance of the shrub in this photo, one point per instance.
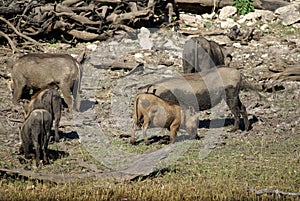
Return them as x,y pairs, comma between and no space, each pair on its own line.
243,6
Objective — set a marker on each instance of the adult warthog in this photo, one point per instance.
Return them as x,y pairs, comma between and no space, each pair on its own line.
204,91
200,54
38,70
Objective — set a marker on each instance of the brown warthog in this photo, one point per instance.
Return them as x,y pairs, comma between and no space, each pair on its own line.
204,91
200,54
150,110
50,100
37,70
35,133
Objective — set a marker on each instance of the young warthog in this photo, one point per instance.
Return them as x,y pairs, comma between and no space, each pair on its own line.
35,133
50,100
204,91
200,54
150,110
37,70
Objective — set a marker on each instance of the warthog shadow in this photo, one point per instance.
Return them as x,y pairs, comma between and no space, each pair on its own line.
219,123
64,136
86,105
165,139
56,154
53,155
70,135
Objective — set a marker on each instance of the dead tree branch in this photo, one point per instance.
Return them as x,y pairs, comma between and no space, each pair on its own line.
271,192
20,34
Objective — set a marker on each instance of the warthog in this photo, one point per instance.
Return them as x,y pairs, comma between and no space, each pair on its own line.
50,100
150,110
204,91
35,133
200,54
37,70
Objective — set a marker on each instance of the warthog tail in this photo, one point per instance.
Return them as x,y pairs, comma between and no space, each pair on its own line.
80,57
135,114
77,87
254,87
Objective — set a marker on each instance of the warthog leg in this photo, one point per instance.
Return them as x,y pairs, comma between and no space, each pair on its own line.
144,129
45,146
132,139
173,132
245,115
18,86
56,122
67,95
37,151
232,101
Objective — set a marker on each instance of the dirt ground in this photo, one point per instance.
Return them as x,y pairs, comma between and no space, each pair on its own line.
96,139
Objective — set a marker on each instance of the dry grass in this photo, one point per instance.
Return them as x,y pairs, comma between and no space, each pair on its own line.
261,162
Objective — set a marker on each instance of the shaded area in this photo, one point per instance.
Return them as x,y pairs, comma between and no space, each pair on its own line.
220,123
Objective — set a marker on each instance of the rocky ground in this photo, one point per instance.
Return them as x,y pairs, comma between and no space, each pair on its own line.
96,139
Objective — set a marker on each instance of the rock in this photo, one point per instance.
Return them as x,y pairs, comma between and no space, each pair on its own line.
144,38
287,9
227,12
296,25
289,14
237,45
264,15
290,18
228,23
192,20
91,46
264,27
208,16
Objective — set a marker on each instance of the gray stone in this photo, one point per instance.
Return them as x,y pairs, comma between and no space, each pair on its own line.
290,18
192,20
296,25
228,23
144,38
287,9
227,12
264,15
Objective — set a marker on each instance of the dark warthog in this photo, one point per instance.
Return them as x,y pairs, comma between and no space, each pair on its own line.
35,133
204,91
200,54
50,100
150,110
37,70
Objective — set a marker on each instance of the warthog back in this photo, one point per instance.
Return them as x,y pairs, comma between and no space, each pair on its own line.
50,100
150,110
200,54
35,133
38,70
203,91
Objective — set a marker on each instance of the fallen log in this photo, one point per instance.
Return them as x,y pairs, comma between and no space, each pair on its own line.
291,73
131,16
20,34
10,42
87,36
